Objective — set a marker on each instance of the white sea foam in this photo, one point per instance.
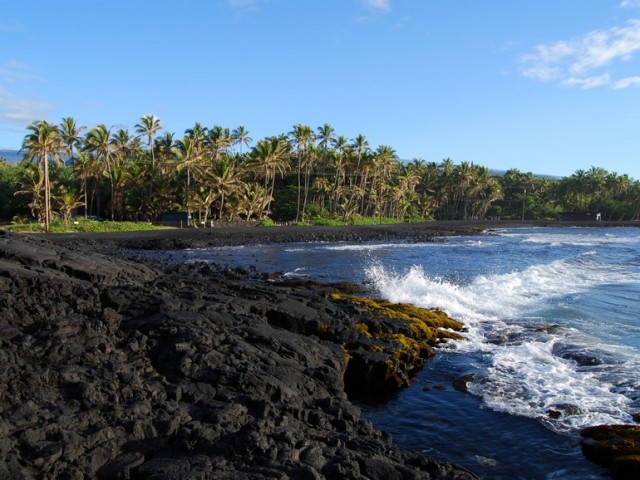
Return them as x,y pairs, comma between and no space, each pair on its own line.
370,246
529,380
568,237
523,374
297,273
490,297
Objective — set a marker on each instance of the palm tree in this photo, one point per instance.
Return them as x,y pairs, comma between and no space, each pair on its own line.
366,172
407,181
44,142
310,159
360,145
124,145
68,201
270,157
341,147
302,137
124,148
83,169
322,186
188,159
383,165
484,192
226,180
446,186
148,127
463,174
32,183
70,133
241,137
197,134
325,138
203,199
166,148
98,143
218,141
254,200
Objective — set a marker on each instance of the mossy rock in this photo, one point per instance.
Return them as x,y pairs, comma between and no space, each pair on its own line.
616,447
364,328
392,342
425,323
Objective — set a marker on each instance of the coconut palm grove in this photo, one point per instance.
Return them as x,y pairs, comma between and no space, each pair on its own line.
308,176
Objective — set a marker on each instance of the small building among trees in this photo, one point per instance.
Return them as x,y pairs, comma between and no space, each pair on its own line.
175,219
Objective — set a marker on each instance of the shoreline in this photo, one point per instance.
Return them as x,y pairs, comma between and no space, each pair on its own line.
218,236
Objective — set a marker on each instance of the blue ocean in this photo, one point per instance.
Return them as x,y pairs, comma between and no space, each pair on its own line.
553,339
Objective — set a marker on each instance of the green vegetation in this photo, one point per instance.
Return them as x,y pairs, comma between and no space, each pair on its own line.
79,225
304,177
267,222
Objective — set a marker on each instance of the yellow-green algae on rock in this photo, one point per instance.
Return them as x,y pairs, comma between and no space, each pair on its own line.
616,447
393,341
426,323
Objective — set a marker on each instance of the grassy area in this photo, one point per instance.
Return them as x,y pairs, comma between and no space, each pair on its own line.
82,225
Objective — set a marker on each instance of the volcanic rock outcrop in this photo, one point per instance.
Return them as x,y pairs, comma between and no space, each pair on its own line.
113,368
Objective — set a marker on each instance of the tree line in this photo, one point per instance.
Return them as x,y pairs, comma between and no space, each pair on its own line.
306,175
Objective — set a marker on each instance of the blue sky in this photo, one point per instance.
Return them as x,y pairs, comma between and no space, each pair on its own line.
545,86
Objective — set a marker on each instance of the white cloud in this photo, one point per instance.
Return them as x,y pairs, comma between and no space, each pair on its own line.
630,4
578,62
14,71
21,111
626,83
15,109
588,82
384,5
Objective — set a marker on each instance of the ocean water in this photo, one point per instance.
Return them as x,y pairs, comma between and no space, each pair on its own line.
553,339
12,156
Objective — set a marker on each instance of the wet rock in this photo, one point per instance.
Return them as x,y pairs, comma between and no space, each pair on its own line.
616,447
563,410
551,329
461,383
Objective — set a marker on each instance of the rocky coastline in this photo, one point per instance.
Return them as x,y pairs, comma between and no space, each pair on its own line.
111,367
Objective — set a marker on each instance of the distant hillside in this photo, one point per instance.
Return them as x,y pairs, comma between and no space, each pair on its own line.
501,173
12,156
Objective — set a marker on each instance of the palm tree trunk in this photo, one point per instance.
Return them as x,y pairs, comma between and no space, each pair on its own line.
307,177
299,187
188,205
221,205
84,189
273,186
47,199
